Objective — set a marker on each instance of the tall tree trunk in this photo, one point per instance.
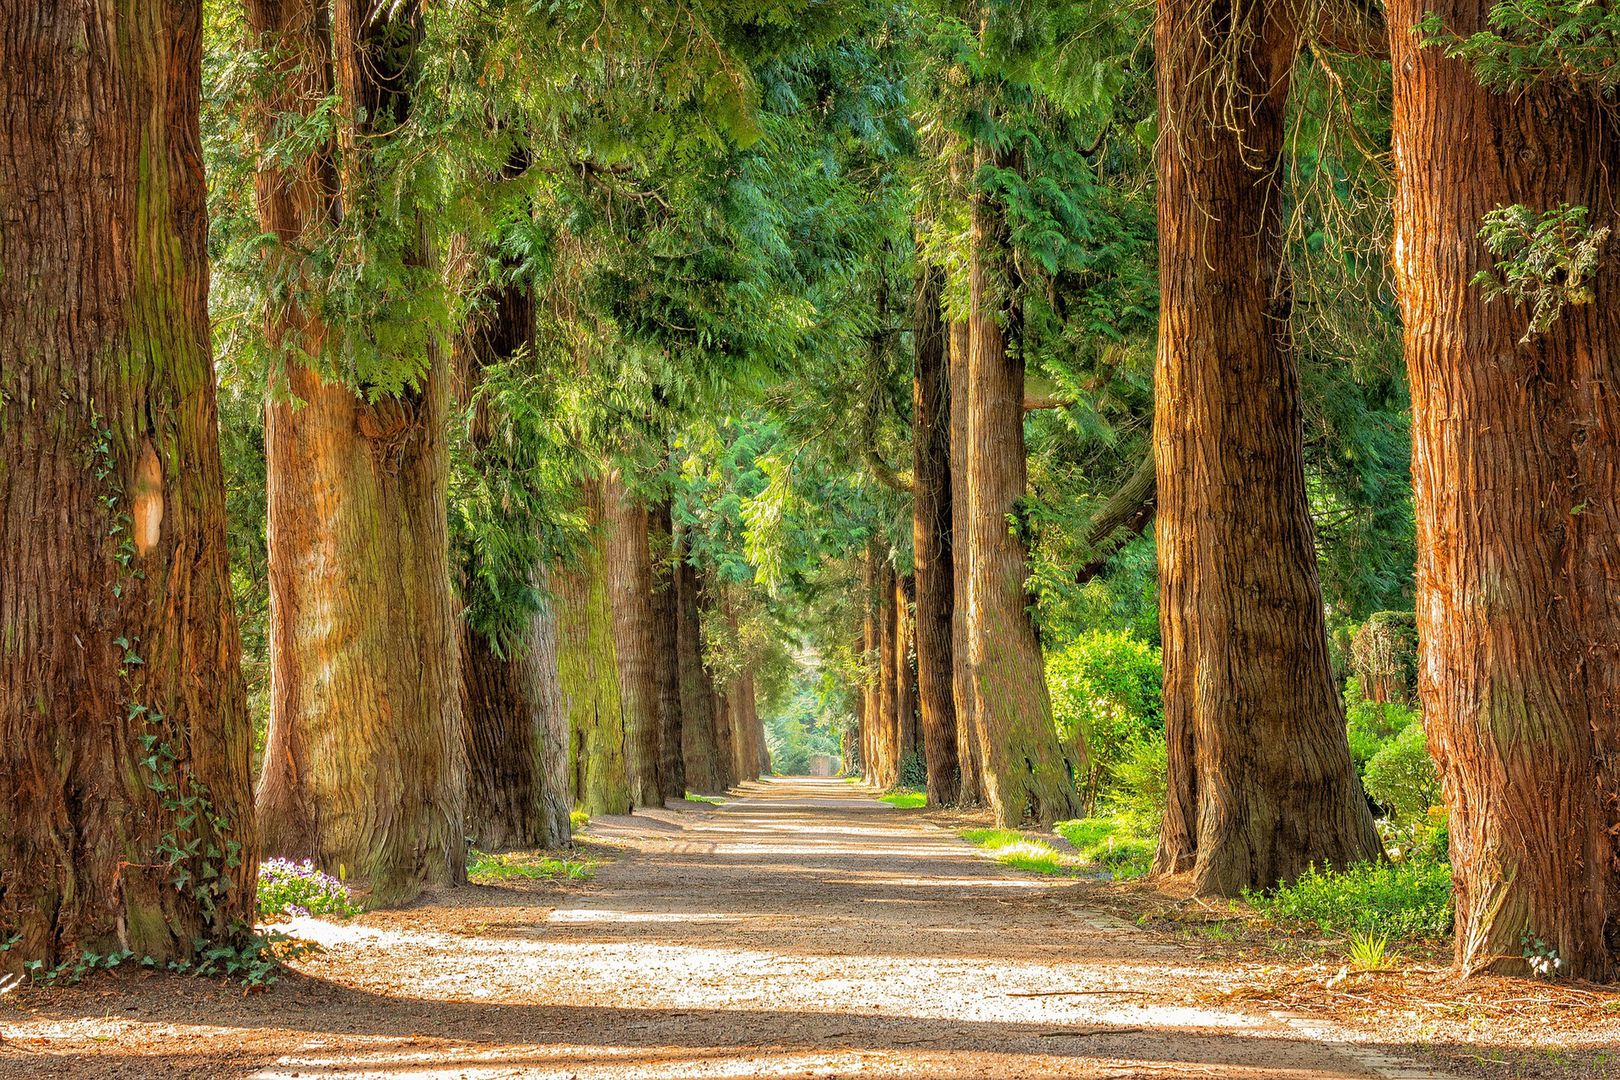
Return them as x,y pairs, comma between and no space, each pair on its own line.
708,605
699,749
666,652
931,536
630,580
112,502
886,748
517,739
365,766
905,688
1027,774
1260,783
1514,459
515,733
588,673
968,752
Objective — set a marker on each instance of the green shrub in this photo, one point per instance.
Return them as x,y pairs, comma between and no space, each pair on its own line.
913,770
1105,696
1141,781
1372,724
1118,843
1401,776
1408,900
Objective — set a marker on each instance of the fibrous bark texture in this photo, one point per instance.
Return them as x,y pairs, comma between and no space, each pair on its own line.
588,673
1260,783
517,740
666,652
1027,775
1514,463
971,791
931,535
630,581
122,706
365,765
699,749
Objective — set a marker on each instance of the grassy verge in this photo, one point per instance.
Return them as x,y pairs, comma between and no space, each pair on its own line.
486,869
1022,852
904,799
1117,844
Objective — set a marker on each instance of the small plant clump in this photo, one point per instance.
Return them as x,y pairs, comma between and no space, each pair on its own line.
298,888
1403,901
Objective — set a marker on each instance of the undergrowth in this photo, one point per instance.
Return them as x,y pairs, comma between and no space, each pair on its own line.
486,869
1403,901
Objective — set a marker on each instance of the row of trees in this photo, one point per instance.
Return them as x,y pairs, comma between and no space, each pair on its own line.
1500,126
578,367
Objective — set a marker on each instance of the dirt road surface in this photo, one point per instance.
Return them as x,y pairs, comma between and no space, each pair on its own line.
802,929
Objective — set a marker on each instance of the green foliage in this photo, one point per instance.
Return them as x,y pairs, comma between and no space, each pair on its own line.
1373,724
1402,776
1141,781
486,869
1106,689
1121,843
1544,260
1569,43
1402,901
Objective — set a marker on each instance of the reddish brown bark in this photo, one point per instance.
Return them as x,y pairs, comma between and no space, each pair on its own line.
112,502
666,651
971,791
1514,460
931,536
699,750
630,582
1261,784
1027,775
365,763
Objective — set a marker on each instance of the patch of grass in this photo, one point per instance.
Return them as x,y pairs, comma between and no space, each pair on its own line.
1022,852
1369,951
709,799
486,869
905,800
577,820
1117,843
1402,901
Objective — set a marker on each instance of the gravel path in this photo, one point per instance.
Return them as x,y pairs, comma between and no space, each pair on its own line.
800,930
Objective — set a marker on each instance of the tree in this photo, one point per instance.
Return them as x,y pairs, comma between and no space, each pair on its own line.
515,732
588,671
1261,784
365,764
1026,774
124,734
932,520
1513,463
630,580
666,651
